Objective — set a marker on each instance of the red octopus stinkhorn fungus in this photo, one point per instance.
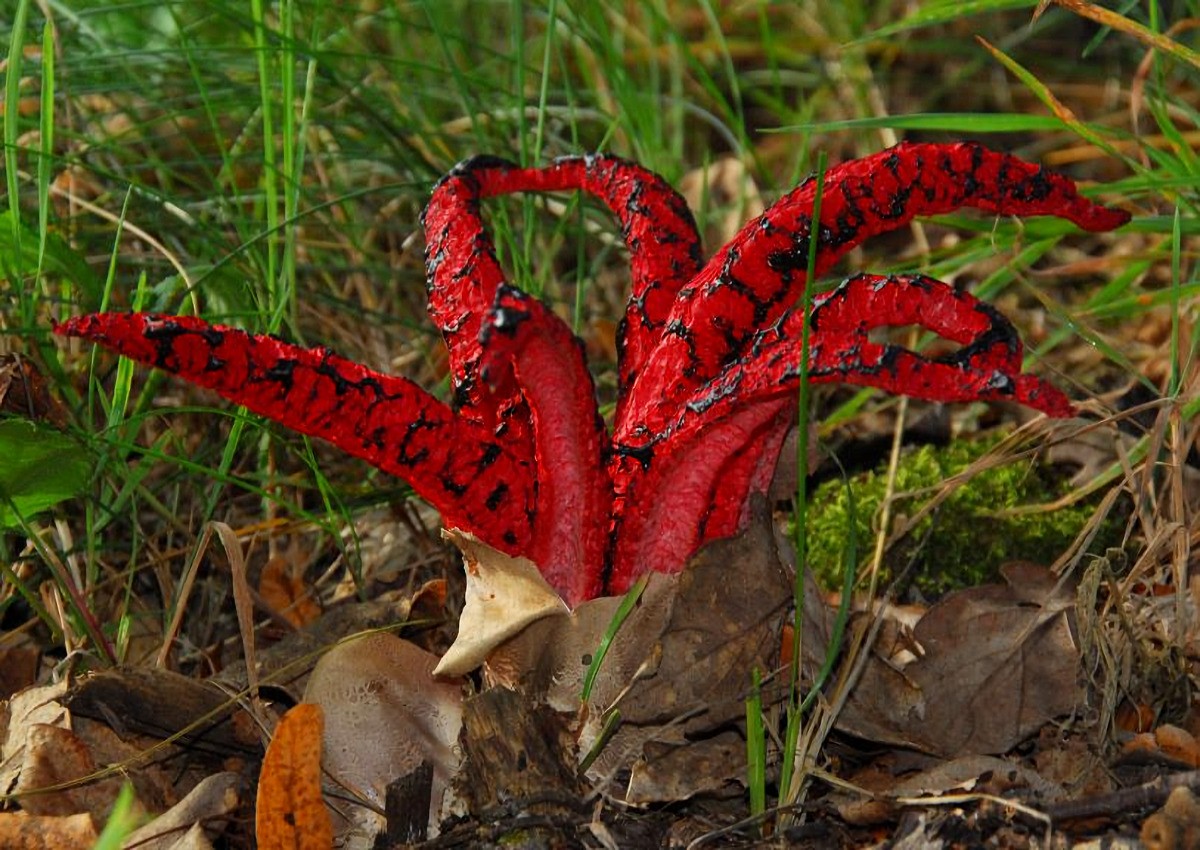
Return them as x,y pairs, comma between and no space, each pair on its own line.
709,357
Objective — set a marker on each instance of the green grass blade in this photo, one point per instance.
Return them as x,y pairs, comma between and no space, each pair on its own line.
45,149
756,747
628,603
12,116
800,538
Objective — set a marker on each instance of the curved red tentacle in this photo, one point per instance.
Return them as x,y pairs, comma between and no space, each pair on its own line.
757,277
388,421
986,367
708,370
525,342
684,487
656,225
570,539
462,277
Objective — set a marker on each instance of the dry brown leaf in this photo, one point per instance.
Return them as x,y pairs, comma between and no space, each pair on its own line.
385,715
717,633
26,709
25,392
55,756
282,586
969,773
22,831
290,811
998,662
676,771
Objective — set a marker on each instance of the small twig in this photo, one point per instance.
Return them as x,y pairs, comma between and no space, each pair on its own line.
1148,795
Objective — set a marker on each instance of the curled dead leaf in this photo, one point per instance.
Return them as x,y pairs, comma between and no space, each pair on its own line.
23,831
504,595
59,759
677,668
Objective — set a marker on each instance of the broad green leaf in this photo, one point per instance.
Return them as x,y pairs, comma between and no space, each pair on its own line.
39,467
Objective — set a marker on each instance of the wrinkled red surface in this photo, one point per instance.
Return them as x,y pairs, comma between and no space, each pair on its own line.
388,421
523,340
756,278
709,357
463,273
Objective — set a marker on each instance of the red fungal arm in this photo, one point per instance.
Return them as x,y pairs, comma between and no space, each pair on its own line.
679,495
754,279
570,533
539,375
986,367
658,229
656,224
388,421
710,352
462,278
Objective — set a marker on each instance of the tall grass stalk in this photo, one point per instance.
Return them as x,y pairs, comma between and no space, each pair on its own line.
12,123
800,537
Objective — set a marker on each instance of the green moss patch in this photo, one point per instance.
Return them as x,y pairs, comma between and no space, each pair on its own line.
968,536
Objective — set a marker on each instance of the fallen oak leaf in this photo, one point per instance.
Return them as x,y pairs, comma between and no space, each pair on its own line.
676,669
676,718
290,812
717,631
997,662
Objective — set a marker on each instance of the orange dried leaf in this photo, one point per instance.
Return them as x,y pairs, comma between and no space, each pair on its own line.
282,586
23,831
291,813
1178,745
